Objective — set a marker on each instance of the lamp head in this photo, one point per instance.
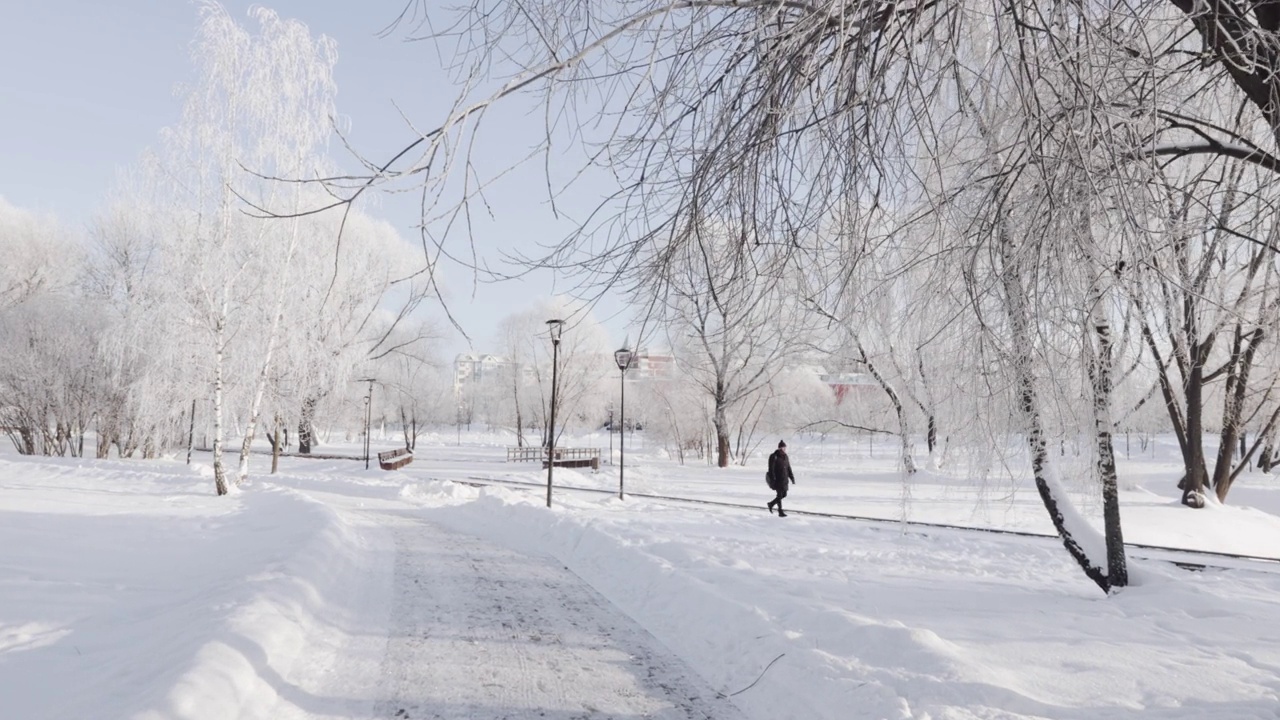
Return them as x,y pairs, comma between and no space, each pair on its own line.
555,327
623,358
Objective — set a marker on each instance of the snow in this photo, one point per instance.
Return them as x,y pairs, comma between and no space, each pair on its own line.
130,591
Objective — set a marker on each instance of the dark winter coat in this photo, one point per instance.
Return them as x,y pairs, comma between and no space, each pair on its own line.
780,470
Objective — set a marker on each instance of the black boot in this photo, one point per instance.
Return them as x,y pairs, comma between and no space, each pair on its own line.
771,503
780,513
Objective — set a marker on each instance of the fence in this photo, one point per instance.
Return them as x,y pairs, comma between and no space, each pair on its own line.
565,457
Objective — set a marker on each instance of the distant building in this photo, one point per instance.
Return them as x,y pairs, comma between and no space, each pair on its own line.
647,364
475,369
845,384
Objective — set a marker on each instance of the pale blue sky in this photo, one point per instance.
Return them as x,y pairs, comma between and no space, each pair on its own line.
86,86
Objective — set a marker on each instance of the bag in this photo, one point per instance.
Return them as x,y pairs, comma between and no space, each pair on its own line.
768,478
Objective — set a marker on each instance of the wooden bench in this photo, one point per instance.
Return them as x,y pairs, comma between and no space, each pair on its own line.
394,459
565,457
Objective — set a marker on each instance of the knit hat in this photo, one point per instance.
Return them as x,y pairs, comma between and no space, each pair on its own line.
782,443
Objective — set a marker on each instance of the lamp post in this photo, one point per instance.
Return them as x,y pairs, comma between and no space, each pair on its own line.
191,431
368,416
623,358
554,327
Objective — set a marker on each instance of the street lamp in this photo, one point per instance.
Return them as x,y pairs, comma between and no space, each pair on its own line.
368,416
623,358
554,327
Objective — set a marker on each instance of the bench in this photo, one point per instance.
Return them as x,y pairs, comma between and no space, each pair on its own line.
394,459
565,457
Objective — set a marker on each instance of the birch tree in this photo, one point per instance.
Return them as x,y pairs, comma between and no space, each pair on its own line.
260,101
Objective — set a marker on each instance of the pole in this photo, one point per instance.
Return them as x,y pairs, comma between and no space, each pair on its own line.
191,431
551,429
368,416
622,436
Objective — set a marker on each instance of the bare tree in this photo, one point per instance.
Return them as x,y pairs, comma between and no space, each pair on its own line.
514,333
733,330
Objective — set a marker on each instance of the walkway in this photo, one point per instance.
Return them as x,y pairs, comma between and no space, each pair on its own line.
480,632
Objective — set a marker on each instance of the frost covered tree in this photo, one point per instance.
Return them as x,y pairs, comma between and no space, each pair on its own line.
419,384
674,413
202,277
796,398
144,355
783,115
48,382
516,335
39,255
584,363
358,303
899,319
262,100
1206,297
732,330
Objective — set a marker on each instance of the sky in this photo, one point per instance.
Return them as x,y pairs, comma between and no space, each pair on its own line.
86,88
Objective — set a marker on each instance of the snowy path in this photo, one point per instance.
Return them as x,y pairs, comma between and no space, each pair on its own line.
480,631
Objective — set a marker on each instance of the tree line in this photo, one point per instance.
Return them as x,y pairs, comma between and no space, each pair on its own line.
182,291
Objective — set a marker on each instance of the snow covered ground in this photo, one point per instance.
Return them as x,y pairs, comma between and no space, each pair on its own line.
128,590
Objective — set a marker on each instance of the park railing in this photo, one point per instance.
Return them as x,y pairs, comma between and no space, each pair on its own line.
565,457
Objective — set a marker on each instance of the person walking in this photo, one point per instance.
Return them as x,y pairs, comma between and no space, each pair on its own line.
780,476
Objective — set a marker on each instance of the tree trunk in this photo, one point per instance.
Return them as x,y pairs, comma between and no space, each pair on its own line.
1233,410
1188,425
931,433
264,371
904,427
106,435
219,472
1016,307
275,446
515,394
1265,460
191,431
722,435
1117,566
306,431
519,427
28,446
1197,474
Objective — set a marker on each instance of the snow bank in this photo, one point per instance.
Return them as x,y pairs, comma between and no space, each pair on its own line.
131,591
288,626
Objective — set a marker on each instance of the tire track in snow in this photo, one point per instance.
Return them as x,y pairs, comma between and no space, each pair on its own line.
480,631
